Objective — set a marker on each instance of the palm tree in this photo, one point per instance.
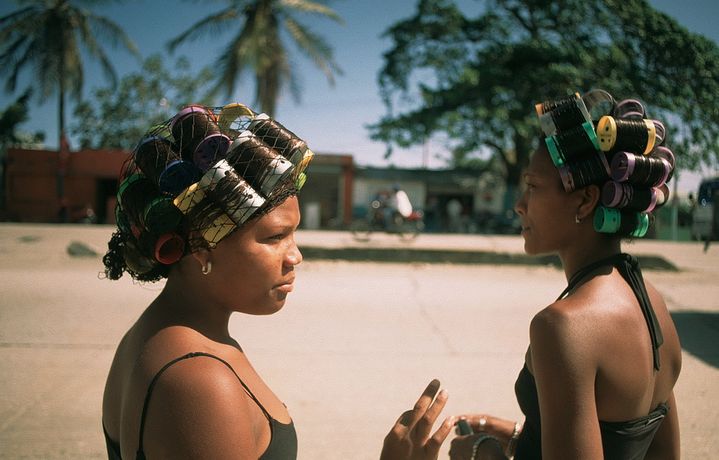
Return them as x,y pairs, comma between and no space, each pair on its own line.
43,37
258,45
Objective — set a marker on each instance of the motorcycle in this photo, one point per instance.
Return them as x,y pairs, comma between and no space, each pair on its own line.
407,228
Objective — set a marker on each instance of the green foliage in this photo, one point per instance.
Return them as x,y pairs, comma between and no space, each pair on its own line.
118,117
258,45
45,38
10,119
476,80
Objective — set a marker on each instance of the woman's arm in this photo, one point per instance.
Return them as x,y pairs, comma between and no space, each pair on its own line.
564,370
665,445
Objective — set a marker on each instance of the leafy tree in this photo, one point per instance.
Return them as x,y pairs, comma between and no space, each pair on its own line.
44,37
118,117
258,45
10,136
10,119
476,80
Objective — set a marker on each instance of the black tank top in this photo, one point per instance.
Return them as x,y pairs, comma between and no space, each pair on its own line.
627,440
283,441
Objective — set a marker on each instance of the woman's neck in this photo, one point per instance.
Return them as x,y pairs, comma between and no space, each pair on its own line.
184,302
590,250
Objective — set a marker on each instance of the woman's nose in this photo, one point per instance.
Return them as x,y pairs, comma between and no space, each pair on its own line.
294,256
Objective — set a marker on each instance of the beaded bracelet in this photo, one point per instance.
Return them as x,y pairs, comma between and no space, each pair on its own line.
478,442
512,444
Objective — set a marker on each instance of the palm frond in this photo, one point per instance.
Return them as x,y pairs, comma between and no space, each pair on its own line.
315,48
213,24
312,7
108,30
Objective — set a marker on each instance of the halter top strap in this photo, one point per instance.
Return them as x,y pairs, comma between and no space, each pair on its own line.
628,267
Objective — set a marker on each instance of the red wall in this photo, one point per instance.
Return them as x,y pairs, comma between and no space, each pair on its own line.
32,178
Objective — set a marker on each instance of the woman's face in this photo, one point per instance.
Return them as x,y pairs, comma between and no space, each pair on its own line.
546,211
254,267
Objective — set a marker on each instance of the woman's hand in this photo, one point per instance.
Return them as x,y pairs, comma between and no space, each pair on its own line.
500,428
463,448
410,438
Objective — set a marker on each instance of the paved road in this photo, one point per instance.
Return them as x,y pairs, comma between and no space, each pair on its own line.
355,344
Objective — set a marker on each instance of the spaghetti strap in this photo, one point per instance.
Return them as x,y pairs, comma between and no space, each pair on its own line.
628,267
140,449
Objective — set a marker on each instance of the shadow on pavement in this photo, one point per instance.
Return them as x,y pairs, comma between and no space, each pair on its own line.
699,334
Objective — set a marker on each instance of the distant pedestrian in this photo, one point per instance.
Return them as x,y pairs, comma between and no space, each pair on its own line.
454,215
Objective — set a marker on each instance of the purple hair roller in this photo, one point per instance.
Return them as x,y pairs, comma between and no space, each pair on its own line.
613,194
629,108
660,132
622,166
210,150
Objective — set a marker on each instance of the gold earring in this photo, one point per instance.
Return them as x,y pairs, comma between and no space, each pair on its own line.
206,269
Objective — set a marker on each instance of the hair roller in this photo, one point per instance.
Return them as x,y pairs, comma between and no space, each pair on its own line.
664,152
152,156
629,223
190,126
642,170
258,163
279,138
562,115
636,136
628,108
233,194
590,170
169,248
627,196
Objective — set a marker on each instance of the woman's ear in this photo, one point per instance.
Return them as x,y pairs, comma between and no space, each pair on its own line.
589,197
202,256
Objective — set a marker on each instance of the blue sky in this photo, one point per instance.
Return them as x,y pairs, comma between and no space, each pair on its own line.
331,119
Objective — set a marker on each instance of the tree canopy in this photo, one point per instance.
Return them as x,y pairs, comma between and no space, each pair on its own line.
258,45
118,116
46,37
475,80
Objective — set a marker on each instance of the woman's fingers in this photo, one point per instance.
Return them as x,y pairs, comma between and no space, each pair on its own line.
435,442
411,417
423,427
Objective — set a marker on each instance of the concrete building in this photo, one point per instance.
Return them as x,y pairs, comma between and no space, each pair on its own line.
336,192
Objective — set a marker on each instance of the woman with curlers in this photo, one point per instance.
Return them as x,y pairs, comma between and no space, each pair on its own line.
207,202
604,357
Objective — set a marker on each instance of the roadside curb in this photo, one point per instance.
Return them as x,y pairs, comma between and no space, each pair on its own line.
443,256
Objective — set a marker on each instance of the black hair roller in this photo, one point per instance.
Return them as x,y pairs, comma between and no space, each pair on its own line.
627,196
158,160
638,136
152,156
279,138
190,126
576,143
590,170
257,162
134,194
231,192
640,170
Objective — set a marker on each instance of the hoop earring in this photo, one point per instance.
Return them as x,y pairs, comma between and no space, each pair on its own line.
206,269
577,220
